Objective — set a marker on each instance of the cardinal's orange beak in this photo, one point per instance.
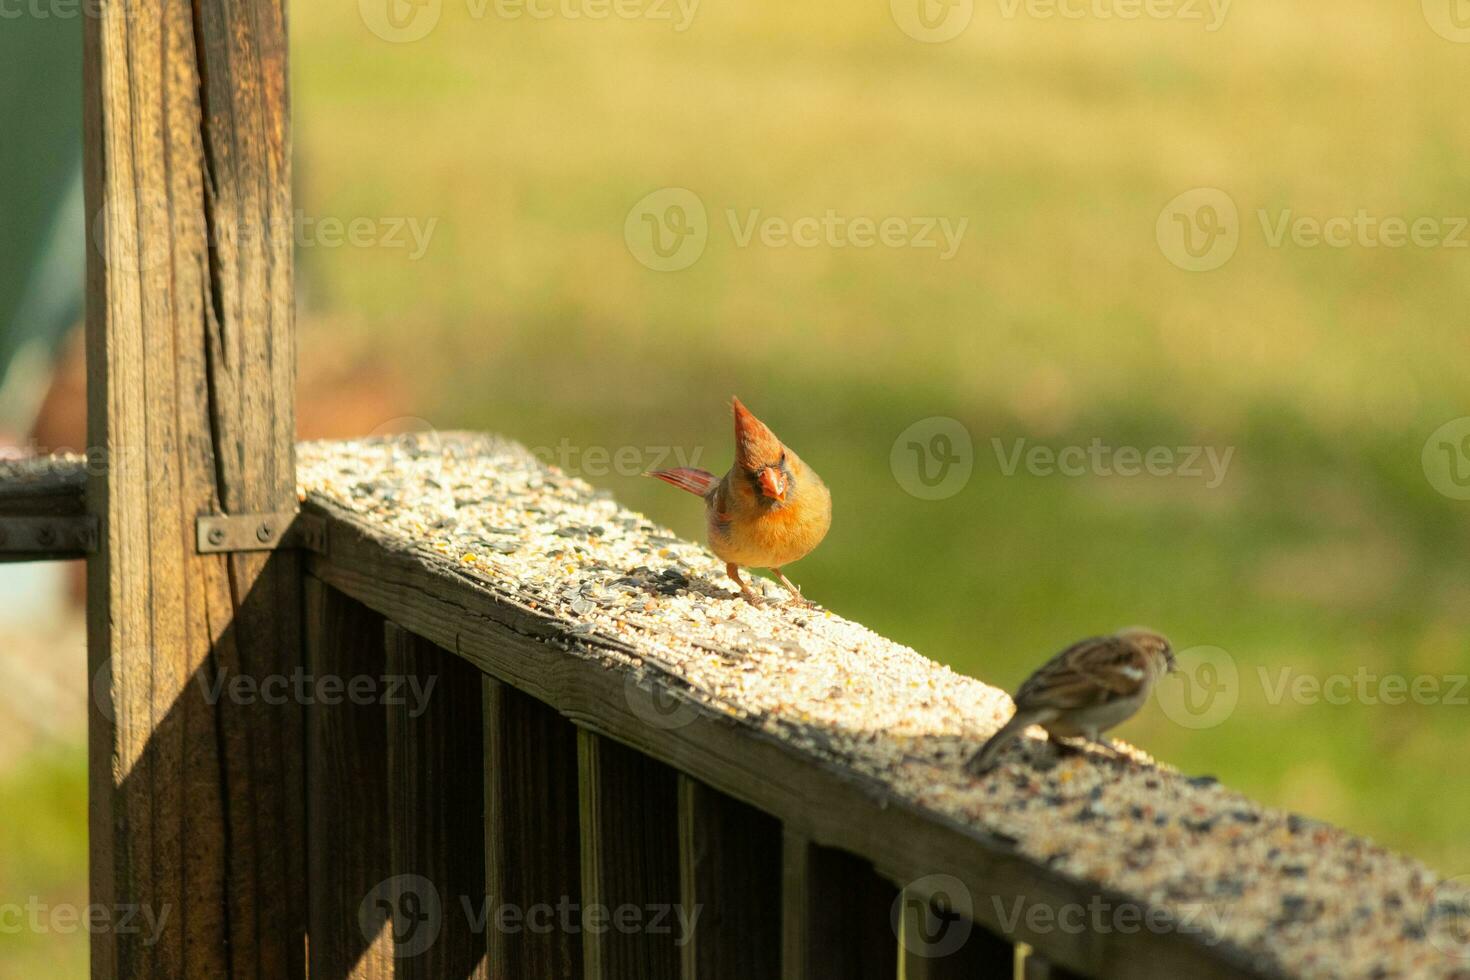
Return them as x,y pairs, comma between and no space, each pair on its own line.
773,484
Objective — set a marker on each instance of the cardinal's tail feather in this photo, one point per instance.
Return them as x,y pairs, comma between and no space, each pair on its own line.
697,482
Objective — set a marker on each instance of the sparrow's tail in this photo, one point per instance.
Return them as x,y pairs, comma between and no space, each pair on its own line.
984,760
697,482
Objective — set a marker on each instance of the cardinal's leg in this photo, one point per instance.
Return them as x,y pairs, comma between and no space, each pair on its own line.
733,570
796,597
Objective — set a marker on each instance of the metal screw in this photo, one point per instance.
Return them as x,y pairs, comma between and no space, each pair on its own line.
46,536
216,536
265,533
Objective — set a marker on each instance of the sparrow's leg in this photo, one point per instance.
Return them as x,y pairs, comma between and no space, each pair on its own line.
1106,744
796,597
733,570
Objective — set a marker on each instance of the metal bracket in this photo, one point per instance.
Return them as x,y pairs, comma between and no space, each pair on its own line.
48,535
226,533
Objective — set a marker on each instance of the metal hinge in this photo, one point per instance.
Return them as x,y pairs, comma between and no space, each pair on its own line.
48,535
224,533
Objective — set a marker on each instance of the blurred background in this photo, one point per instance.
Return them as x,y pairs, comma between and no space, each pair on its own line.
587,226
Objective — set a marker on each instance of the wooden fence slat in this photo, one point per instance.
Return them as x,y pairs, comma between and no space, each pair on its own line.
196,789
532,843
730,871
348,838
630,862
836,915
834,803
1038,967
437,791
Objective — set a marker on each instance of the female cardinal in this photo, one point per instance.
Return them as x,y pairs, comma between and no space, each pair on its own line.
767,512
1083,691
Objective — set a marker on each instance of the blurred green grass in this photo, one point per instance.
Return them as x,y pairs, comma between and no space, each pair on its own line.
1059,321
43,863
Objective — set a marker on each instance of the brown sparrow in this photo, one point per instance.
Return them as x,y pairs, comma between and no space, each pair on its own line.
1088,688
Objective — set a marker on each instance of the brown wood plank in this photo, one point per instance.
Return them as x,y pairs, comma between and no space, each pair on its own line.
823,800
1037,967
353,897
730,874
437,791
836,915
940,940
196,797
532,843
630,862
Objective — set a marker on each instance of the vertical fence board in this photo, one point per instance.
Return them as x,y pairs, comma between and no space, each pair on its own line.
630,858
532,842
349,848
436,785
196,786
835,915
1038,967
730,872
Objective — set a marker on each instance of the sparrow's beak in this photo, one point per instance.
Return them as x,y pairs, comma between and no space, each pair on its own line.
773,484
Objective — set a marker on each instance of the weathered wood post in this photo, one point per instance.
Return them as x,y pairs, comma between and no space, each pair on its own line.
196,778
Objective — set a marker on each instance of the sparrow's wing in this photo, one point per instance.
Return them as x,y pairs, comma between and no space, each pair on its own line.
1091,672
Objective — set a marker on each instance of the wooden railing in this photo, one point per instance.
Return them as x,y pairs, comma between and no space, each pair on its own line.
542,738
446,713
